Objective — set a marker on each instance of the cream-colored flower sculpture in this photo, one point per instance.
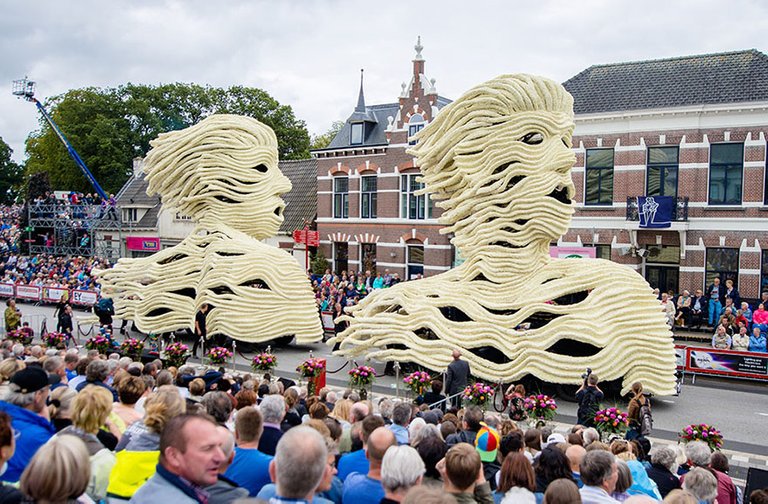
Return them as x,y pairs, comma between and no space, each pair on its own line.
223,173
498,162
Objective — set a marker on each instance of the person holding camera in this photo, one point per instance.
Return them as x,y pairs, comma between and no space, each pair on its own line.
588,397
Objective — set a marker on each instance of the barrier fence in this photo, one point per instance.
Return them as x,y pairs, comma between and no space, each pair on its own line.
727,363
48,294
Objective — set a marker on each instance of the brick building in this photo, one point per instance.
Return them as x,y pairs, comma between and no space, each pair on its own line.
368,215
693,128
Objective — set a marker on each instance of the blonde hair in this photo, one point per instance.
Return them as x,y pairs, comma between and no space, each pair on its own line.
59,471
341,409
91,408
61,402
215,168
162,405
10,366
478,113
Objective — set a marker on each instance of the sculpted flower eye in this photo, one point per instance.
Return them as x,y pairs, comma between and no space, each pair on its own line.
534,138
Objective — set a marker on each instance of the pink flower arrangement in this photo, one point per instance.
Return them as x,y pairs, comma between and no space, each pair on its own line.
19,336
132,347
176,354
478,393
418,381
219,355
264,362
540,406
99,343
55,339
702,432
311,368
611,421
361,376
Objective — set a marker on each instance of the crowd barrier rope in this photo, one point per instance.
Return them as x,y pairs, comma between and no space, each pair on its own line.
50,295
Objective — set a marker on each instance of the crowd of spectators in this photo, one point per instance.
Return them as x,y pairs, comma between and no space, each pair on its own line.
41,270
9,229
334,292
735,324
91,427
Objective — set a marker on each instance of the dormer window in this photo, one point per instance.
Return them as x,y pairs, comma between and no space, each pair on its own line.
415,124
356,135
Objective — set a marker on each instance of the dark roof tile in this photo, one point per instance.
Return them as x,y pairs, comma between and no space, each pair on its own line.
708,79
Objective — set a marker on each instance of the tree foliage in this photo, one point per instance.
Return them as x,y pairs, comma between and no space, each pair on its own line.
10,175
109,127
322,141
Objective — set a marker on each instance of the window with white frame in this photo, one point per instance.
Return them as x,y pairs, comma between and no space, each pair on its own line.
598,170
415,261
368,197
130,214
415,124
726,167
341,198
412,205
356,134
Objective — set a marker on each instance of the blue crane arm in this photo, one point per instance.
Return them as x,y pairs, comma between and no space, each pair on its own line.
72,152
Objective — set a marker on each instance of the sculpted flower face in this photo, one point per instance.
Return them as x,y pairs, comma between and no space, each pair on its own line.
223,169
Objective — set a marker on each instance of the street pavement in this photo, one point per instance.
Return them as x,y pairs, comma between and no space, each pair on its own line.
738,408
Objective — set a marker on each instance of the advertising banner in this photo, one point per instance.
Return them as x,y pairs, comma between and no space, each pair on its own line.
680,356
82,297
55,294
28,292
148,243
573,252
6,290
726,362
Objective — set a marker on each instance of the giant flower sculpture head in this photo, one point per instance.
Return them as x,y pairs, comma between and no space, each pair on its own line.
498,161
221,170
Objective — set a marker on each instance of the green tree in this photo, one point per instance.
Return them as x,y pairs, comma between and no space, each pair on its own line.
318,262
322,141
11,175
109,127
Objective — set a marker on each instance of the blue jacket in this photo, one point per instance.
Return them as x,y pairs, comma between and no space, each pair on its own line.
755,344
34,431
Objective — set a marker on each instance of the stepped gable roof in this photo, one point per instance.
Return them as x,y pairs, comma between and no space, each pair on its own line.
708,79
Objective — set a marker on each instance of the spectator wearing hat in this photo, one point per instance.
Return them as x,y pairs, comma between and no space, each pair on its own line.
26,405
487,445
366,488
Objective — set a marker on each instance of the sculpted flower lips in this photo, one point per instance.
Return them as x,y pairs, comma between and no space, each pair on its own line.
561,194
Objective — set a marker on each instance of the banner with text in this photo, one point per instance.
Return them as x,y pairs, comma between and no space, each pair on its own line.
727,363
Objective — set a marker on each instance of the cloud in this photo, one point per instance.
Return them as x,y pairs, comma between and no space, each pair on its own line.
308,53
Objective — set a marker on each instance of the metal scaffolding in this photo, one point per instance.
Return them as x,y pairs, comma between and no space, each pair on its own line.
79,230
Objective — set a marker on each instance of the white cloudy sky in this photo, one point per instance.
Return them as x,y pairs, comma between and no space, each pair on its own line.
307,53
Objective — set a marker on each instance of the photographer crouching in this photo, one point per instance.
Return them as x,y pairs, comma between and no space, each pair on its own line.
589,397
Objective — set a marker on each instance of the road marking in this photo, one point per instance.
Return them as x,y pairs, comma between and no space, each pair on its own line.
761,414
669,401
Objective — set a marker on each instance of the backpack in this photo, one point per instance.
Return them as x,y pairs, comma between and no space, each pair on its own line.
646,418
